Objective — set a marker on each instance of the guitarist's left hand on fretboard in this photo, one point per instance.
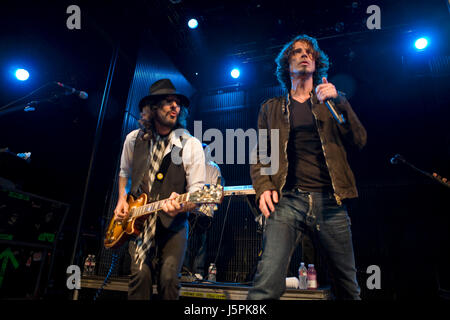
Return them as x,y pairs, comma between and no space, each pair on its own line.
172,207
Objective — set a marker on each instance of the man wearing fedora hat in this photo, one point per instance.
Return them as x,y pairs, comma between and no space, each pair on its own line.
157,253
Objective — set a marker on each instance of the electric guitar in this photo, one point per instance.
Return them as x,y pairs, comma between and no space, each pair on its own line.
138,211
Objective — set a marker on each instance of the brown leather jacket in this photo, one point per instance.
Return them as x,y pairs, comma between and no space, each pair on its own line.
274,114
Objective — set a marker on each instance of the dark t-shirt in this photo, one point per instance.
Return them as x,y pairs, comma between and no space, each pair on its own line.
307,168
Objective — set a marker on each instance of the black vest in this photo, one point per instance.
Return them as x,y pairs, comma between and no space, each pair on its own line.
173,180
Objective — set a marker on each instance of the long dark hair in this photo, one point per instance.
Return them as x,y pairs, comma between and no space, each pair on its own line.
149,125
282,61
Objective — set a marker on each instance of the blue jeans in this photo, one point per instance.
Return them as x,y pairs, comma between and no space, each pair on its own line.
296,212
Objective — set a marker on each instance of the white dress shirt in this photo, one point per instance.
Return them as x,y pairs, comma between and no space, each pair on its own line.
193,157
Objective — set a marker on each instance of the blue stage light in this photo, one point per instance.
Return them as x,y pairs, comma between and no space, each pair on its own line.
421,43
235,73
22,74
193,23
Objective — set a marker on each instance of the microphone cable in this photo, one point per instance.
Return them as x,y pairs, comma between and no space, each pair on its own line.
115,257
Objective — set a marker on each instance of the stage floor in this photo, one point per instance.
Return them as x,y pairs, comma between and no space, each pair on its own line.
204,289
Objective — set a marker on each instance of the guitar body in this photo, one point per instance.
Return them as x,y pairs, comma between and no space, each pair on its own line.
138,211
119,231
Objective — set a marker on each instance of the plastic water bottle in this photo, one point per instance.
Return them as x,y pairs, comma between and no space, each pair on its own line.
92,265
302,277
87,265
212,272
312,277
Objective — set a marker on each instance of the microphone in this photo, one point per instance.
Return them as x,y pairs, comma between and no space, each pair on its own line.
81,94
330,105
339,117
30,106
395,159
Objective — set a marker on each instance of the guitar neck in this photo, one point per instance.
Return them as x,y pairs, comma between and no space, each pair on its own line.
157,205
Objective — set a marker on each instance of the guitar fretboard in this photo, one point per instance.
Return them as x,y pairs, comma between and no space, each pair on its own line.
155,206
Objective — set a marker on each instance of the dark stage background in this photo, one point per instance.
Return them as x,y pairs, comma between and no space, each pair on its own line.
400,221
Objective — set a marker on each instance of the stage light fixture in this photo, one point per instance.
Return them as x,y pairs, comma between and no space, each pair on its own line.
421,43
235,73
193,23
22,74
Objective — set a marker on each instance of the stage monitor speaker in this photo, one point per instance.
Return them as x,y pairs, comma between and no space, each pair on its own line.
30,228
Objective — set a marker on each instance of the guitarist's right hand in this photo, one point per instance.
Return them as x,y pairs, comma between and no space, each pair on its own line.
121,211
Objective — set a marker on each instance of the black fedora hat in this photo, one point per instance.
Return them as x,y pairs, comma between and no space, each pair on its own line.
159,90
